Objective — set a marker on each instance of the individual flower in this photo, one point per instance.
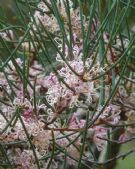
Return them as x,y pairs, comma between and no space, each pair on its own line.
76,123
111,114
99,134
7,35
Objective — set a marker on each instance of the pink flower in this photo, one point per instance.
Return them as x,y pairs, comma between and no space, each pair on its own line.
49,81
111,114
24,158
28,113
75,122
99,132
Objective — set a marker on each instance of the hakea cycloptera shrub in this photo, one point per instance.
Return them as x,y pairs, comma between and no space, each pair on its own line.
48,116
